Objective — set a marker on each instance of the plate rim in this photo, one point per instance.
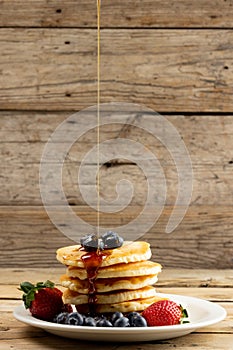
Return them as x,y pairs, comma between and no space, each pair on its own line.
23,315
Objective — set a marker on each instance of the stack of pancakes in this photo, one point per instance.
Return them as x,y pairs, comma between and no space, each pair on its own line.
124,280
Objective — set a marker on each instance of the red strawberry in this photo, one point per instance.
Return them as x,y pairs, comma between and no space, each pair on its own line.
43,300
164,313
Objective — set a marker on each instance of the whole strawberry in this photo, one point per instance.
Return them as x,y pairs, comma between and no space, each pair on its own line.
164,313
43,300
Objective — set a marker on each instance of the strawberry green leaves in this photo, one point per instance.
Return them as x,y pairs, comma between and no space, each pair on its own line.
30,289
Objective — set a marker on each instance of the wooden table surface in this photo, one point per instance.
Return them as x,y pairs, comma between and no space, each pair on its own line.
212,285
175,57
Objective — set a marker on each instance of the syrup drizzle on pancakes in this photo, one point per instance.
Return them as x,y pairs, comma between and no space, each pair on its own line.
92,262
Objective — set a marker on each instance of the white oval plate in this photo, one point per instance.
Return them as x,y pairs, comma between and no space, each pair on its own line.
202,313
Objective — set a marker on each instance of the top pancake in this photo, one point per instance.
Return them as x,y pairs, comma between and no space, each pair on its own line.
127,253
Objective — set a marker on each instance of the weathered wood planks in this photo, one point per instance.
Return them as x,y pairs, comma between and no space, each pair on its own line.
20,184
208,139
149,13
174,57
41,339
202,240
51,69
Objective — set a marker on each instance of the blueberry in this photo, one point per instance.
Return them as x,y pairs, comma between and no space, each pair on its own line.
121,322
61,318
90,242
103,322
111,240
89,321
136,320
115,316
132,315
75,318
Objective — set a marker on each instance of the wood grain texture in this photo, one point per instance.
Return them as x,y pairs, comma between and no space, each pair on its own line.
50,69
202,240
207,137
212,184
16,335
149,13
171,56
26,341
23,136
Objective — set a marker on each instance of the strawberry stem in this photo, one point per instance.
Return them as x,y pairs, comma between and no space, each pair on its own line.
30,289
184,315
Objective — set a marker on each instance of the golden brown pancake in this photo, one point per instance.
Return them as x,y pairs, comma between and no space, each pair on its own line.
129,252
103,285
124,307
71,297
141,268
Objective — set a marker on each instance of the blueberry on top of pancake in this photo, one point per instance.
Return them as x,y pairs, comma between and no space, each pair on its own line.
109,240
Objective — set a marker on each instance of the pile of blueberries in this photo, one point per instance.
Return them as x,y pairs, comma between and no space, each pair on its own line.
117,319
109,240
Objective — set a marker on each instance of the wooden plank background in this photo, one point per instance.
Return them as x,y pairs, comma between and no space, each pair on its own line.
136,14
173,57
50,69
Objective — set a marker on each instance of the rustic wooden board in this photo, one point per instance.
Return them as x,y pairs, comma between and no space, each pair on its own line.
156,13
50,69
200,133
22,131
202,240
212,185
173,57
43,340
208,139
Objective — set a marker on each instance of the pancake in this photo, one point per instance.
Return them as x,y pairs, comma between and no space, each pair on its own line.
71,297
119,279
127,253
141,268
124,307
103,285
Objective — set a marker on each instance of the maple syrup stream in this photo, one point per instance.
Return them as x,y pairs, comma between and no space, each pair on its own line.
93,260
98,116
